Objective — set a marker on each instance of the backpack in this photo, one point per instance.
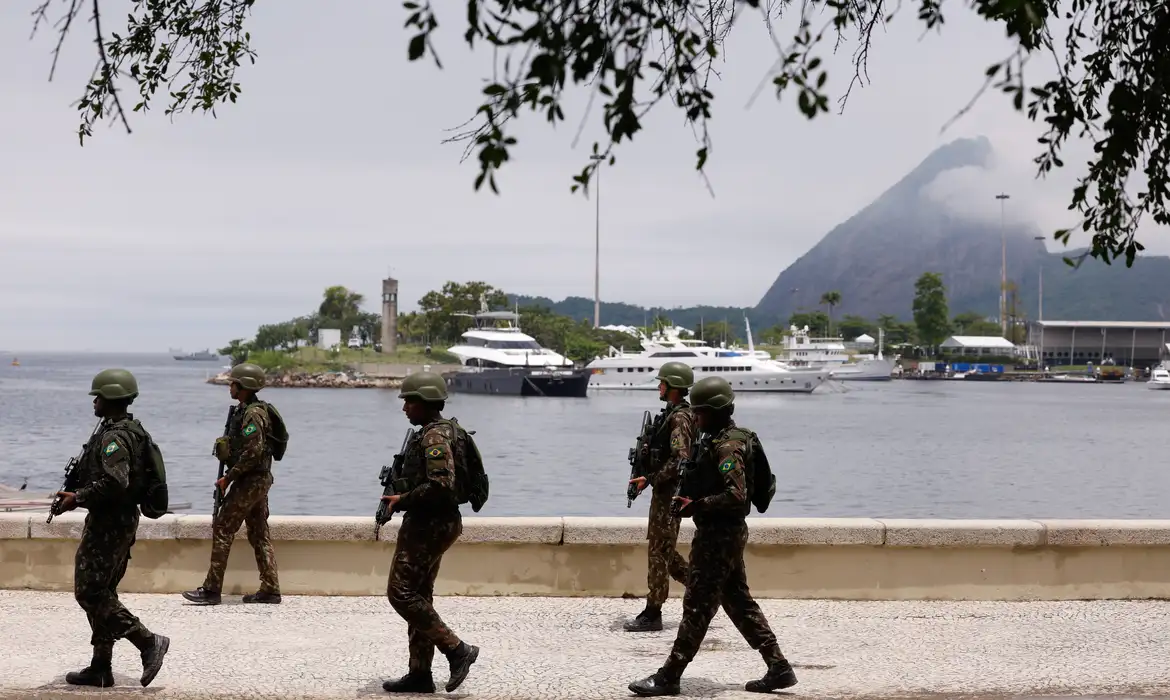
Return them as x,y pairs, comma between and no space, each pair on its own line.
760,477
277,437
149,480
471,481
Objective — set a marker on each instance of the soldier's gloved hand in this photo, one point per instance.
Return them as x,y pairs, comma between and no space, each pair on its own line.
222,449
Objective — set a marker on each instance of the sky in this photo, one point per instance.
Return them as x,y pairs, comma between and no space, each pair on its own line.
331,170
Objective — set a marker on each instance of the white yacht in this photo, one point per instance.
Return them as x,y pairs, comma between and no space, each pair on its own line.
498,358
497,341
746,371
1159,378
802,351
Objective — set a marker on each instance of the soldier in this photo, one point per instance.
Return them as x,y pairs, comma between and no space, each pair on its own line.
673,440
249,453
430,525
716,494
109,468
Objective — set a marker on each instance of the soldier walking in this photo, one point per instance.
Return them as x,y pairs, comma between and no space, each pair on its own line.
109,472
717,494
248,451
430,525
673,441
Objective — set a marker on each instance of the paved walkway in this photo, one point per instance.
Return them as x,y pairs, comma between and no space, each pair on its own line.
573,648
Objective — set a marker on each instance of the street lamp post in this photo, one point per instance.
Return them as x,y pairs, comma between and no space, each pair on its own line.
597,242
1003,264
1040,304
1040,308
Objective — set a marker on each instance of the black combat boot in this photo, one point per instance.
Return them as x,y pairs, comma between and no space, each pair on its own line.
649,620
153,649
202,596
460,658
412,682
263,597
779,676
655,685
99,673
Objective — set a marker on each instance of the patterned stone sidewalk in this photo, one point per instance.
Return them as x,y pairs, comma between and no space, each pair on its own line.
574,649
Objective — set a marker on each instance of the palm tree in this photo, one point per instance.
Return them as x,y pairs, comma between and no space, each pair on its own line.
831,299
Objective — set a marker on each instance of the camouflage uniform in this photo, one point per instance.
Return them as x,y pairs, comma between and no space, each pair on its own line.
674,440
107,471
662,531
246,502
430,525
717,576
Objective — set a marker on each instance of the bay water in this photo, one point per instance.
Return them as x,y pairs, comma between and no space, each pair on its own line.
912,449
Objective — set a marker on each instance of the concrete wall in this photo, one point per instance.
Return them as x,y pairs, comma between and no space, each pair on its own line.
849,558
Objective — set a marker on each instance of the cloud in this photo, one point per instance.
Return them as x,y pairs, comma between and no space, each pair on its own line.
331,170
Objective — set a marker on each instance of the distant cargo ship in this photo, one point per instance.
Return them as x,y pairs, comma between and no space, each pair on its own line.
201,356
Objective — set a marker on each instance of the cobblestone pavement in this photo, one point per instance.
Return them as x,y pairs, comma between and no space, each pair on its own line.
574,648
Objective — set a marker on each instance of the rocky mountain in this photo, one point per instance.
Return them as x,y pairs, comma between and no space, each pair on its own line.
875,256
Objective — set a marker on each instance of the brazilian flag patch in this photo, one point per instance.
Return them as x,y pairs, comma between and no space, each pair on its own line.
726,465
250,429
436,452
111,448
675,443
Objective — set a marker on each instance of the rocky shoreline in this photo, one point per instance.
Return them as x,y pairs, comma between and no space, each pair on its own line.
322,380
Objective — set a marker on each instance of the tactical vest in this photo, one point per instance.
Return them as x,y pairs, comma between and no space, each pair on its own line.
137,444
661,441
706,479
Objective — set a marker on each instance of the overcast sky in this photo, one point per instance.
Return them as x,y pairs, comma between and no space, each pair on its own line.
330,171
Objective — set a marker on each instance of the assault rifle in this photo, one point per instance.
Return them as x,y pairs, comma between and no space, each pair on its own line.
686,474
389,478
642,456
217,496
72,477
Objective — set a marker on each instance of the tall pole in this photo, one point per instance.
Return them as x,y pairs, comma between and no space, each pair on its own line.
1040,309
1003,264
597,243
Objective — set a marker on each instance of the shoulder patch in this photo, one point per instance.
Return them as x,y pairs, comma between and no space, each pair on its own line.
727,465
250,429
675,443
436,451
111,448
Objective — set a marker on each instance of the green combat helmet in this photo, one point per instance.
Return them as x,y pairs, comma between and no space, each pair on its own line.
113,384
248,375
677,375
427,386
712,392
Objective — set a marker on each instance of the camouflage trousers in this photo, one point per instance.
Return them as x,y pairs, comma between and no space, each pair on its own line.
717,577
98,568
246,502
664,561
422,541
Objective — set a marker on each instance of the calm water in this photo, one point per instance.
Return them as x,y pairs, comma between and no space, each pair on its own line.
898,449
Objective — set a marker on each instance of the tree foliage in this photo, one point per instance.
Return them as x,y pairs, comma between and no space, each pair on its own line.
931,315
440,308
1112,84
577,340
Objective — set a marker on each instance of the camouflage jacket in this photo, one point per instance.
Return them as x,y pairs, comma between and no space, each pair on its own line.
722,479
677,438
248,439
106,468
430,467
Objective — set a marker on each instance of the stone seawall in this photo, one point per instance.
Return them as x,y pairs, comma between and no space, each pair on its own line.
821,558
